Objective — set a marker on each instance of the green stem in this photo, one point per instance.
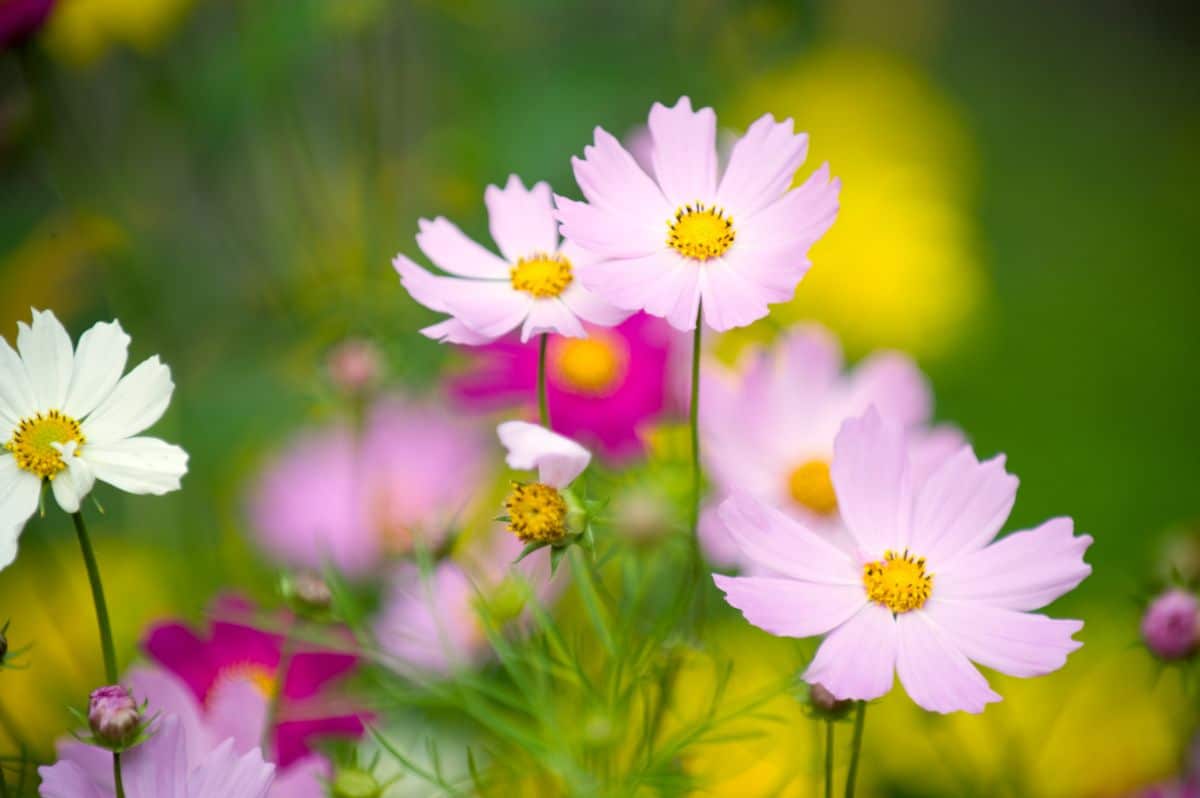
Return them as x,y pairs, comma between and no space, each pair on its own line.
286,649
543,402
828,759
860,715
694,421
106,636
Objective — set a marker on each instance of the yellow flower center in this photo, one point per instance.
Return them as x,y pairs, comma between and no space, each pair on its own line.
810,486
260,676
898,581
542,275
700,233
536,512
594,366
32,443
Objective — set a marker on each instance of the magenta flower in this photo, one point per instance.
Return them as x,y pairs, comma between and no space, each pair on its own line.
780,453
334,497
925,590
686,235
1171,625
602,388
20,19
533,286
235,656
165,766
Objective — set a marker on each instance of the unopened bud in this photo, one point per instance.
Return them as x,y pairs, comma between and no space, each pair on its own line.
114,716
355,783
355,366
826,703
1171,625
312,590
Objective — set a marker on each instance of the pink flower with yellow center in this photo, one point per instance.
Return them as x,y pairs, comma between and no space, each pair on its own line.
602,388
690,234
924,589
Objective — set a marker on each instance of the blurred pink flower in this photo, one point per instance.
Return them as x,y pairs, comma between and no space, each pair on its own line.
780,453
601,388
355,365
235,656
924,590
1171,625
688,236
336,498
534,285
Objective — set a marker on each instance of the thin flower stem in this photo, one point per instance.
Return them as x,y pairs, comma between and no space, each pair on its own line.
828,758
543,402
694,421
860,715
106,637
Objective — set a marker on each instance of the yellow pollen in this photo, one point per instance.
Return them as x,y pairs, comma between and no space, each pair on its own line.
700,233
32,442
537,513
593,366
898,581
810,486
542,275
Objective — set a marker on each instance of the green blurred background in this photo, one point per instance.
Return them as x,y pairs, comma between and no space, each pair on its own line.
231,179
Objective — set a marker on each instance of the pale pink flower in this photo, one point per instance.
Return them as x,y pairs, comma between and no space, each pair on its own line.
690,234
533,284
925,589
1171,625
531,447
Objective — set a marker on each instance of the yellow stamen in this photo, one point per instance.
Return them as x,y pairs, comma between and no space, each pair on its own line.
594,366
542,275
537,513
700,233
810,486
32,442
898,581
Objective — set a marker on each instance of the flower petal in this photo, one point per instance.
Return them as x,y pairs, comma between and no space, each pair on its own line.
685,151
1022,571
454,253
16,392
46,350
789,607
871,478
138,465
591,308
961,507
453,331
158,768
99,364
139,400
857,660
72,485
772,540
489,308
225,772
1017,643
793,223
168,694
762,165
551,316
730,298
559,460
19,493
893,383
65,779
522,220
935,674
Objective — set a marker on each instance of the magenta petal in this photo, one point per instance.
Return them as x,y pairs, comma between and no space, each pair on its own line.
935,674
310,672
180,651
295,739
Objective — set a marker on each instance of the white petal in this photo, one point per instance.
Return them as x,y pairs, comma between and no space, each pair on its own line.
138,465
46,349
19,492
72,485
139,399
99,363
16,393
558,460
8,545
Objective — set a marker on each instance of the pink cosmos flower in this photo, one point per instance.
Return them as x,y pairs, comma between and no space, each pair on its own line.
800,395
237,656
687,236
925,590
1171,625
165,766
334,497
532,286
601,389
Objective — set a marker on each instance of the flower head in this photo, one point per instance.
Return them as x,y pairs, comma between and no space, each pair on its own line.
538,511
686,236
1171,625
533,285
68,417
113,714
923,590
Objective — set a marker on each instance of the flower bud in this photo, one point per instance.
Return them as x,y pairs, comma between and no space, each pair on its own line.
311,590
826,703
1171,625
114,716
355,366
351,782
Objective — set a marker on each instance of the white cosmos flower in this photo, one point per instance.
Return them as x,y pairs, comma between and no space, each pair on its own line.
67,416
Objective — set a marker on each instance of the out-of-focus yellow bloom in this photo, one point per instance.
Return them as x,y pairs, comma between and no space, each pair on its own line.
80,32
899,267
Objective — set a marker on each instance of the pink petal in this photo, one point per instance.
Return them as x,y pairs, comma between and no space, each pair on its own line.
795,221
1017,643
225,773
522,220
167,694
685,151
489,308
857,660
610,234
715,540
453,331
454,253
591,308
772,540
551,316
871,479
730,298
424,287
65,779
791,608
158,768
1022,571
237,710
305,778
761,166
892,382
935,674
961,507
558,460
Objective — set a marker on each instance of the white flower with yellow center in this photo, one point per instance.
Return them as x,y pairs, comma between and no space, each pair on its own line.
68,417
